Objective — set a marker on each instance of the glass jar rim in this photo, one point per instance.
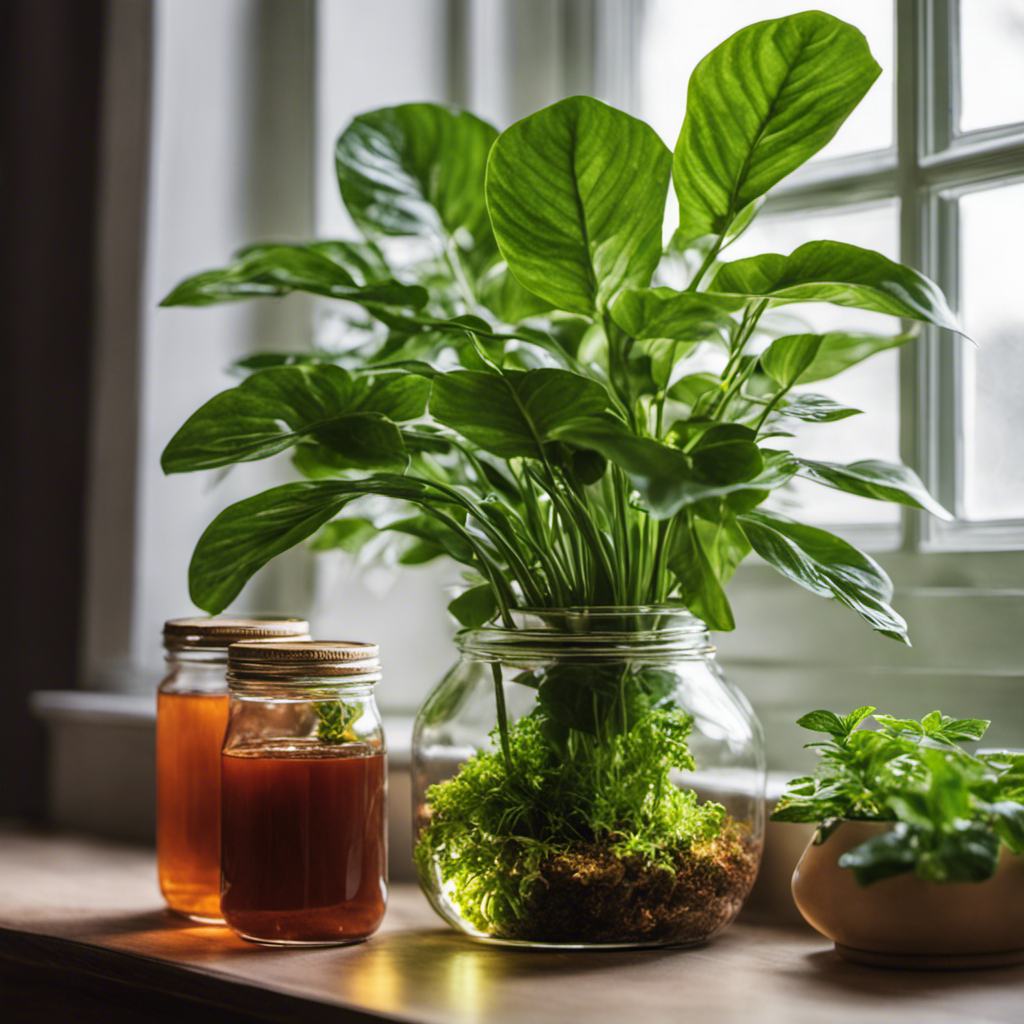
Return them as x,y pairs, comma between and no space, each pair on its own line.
303,662
599,631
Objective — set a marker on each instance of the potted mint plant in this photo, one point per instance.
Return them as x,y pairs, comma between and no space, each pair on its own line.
917,860
599,450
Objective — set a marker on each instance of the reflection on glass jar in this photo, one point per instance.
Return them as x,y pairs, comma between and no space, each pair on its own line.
304,794
192,713
589,777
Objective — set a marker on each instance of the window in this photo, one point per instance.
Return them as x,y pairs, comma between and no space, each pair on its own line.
929,170
924,171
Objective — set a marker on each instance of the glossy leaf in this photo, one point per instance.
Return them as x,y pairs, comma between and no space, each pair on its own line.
788,357
273,270
811,408
671,323
576,194
699,586
883,481
840,350
726,453
512,414
827,566
647,313
823,721
725,545
758,106
418,169
843,274
508,300
475,607
274,409
362,260
248,534
664,476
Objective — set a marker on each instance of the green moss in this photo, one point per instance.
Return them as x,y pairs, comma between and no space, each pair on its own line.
490,832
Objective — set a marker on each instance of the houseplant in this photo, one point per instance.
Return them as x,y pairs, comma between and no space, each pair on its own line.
591,444
917,858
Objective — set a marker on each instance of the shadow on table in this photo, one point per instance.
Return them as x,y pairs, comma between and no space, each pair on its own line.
829,971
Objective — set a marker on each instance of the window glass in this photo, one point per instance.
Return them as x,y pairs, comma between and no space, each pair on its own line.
991,271
872,386
676,34
991,63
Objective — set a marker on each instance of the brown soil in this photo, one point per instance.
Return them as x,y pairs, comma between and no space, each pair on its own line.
591,895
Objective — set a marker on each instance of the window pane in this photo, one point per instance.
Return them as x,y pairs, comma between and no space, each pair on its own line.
872,386
992,268
991,63
676,34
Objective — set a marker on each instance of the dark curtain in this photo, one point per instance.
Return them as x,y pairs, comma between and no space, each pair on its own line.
50,63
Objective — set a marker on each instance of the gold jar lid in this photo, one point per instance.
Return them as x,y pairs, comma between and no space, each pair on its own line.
219,633
301,659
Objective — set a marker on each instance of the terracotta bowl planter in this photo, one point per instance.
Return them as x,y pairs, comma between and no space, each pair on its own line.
905,921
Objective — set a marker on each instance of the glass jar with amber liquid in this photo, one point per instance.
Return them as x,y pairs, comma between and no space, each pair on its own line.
192,714
303,794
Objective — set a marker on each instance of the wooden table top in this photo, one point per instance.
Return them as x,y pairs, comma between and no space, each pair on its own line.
92,908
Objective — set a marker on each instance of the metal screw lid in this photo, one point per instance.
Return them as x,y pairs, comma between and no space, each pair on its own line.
301,659
220,632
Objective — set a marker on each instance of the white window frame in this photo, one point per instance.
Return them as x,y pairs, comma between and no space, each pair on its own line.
929,166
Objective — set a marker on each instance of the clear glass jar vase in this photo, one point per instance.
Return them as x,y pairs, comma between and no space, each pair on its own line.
588,778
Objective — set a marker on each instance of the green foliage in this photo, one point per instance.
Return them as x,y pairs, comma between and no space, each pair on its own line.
758,106
490,829
564,233
335,719
951,810
517,387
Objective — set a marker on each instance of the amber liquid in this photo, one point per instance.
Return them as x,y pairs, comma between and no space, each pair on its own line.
304,847
189,735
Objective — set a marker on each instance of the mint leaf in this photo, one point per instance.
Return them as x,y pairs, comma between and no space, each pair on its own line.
823,721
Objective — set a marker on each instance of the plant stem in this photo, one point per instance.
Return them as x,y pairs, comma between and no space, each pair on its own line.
499,698
708,260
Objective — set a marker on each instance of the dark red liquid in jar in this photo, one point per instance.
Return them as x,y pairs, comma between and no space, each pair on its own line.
303,842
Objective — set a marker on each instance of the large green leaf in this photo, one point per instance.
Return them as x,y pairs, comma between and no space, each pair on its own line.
872,478
418,169
842,274
273,409
827,566
647,313
669,323
840,350
665,477
699,585
726,454
513,413
576,194
758,106
788,357
475,607
507,299
248,534
270,270
363,260
725,544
